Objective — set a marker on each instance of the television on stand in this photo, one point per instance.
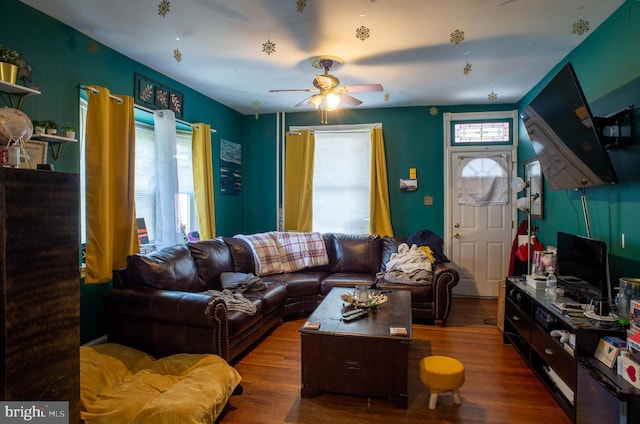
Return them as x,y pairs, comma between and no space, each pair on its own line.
582,267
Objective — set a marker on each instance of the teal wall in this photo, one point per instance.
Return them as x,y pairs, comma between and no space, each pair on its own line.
413,139
608,68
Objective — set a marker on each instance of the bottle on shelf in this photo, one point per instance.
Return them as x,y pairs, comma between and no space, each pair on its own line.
14,153
552,285
620,361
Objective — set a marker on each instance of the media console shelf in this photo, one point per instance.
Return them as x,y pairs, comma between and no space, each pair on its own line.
529,320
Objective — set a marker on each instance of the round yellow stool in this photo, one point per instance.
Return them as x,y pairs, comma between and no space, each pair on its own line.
441,374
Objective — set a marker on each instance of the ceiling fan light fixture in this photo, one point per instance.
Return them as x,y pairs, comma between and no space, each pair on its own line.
332,101
316,100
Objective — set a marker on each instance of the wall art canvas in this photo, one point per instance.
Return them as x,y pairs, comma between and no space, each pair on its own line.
153,95
230,167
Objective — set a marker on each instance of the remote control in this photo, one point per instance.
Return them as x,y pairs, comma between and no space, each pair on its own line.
361,313
352,312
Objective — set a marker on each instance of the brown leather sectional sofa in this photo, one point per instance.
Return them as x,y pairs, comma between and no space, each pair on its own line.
157,305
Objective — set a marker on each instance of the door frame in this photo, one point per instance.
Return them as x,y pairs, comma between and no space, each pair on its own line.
449,150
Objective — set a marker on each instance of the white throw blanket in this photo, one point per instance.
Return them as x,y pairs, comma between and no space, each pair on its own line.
409,265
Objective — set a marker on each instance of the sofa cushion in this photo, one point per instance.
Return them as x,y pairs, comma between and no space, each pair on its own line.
241,254
212,258
389,247
355,253
300,283
273,297
240,322
346,279
419,293
171,268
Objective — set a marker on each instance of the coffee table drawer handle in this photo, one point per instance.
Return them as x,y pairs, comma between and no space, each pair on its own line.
352,365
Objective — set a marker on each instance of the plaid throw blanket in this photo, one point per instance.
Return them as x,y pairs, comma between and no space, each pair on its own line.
278,252
266,252
302,250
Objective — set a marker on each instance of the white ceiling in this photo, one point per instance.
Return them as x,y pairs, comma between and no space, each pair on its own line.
510,44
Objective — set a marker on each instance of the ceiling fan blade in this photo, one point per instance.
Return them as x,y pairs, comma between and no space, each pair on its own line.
306,90
304,102
361,87
350,100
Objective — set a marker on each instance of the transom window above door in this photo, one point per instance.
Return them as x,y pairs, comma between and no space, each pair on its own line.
481,132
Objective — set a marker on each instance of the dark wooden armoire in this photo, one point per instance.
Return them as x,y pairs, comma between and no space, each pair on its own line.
39,295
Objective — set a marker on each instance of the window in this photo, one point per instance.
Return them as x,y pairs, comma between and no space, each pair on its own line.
341,181
485,132
145,180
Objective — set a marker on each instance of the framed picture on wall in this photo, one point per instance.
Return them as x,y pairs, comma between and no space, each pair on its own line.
533,174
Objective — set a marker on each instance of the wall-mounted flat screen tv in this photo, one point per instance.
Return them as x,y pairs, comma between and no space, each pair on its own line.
562,132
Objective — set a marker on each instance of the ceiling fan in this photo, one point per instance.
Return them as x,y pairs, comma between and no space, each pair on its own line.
330,93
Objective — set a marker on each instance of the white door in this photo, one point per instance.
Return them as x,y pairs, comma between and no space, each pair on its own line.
481,228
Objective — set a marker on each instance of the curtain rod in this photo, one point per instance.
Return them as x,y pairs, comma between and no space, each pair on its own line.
146,109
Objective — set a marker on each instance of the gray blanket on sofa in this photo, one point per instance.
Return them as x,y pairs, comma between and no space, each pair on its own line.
239,282
234,301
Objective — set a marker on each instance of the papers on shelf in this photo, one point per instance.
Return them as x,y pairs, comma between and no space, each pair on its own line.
569,307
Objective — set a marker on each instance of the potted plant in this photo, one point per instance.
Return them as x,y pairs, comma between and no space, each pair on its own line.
69,130
39,127
9,63
51,126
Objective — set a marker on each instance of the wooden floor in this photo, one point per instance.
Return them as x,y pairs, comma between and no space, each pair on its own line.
499,387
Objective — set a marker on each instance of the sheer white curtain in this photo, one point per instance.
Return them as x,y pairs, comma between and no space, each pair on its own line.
168,230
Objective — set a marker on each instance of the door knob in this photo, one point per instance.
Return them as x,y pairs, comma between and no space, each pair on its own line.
456,225
457,235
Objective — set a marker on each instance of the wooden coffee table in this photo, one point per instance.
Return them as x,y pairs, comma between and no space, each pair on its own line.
360,357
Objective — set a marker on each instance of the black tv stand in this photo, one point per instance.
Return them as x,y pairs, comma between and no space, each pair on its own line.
529,321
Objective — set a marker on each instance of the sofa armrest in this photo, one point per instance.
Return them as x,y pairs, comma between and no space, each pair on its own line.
444,279
164,322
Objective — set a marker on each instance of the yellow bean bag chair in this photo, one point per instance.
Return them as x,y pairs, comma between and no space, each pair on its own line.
119,384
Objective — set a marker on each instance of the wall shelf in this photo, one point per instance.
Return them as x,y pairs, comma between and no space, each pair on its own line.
16,93
59,142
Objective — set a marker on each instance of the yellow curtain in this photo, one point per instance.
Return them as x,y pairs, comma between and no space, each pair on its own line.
380,214
298,189
110,172
203,179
